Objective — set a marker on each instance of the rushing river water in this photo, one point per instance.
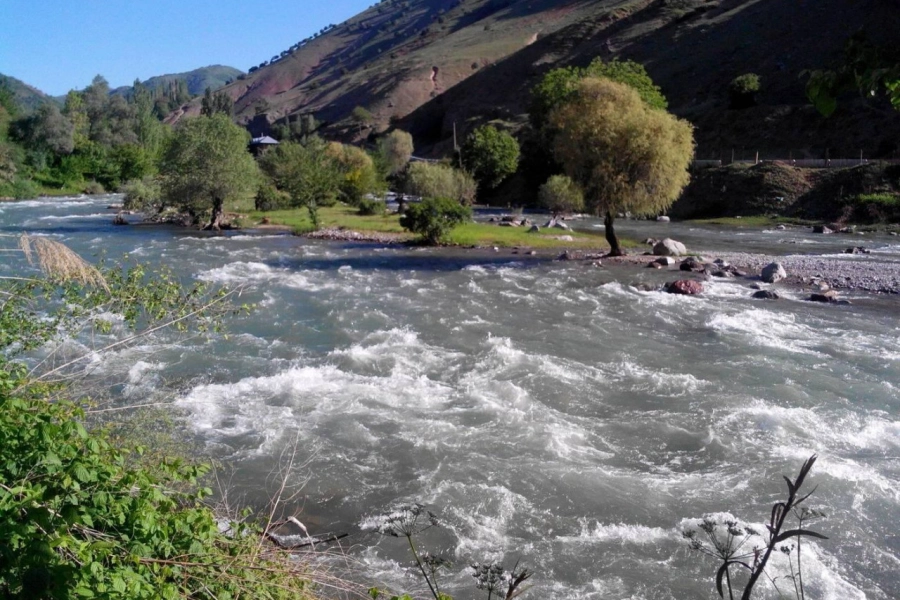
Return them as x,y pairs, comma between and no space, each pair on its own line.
552,413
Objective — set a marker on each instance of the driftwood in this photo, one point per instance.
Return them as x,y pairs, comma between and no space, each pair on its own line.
306,542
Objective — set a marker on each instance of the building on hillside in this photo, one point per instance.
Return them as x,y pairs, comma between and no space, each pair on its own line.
259,144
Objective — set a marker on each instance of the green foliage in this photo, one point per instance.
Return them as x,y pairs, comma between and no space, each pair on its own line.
216,103
743,89
561,195
559,84
268,198
434,180
80,517
369,206
357,171
206,164
305,171
490,155
625,155
433,218
362,117
143,194
395,149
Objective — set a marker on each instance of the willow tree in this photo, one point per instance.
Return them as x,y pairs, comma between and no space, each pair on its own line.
625,155
205,165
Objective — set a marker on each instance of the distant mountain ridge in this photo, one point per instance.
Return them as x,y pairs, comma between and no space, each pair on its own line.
27,96
197,80
426,65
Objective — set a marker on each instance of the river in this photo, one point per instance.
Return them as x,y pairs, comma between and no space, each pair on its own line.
552,413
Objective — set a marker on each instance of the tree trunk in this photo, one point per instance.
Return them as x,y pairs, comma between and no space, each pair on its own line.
614,248
215,222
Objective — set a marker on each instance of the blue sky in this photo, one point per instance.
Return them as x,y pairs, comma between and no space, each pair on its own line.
58,45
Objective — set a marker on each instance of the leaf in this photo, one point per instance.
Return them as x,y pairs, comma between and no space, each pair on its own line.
797,533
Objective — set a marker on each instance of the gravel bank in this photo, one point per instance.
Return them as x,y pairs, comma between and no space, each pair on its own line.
348,235
860,272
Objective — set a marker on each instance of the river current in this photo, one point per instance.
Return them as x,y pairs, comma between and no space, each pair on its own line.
552,413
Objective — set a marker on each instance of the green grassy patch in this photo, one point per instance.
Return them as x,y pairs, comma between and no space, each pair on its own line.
484,234
340,216
887,200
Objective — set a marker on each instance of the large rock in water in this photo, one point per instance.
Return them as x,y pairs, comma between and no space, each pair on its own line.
687,287
669,247
773,273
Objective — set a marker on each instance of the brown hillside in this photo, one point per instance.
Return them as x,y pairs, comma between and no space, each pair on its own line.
489,53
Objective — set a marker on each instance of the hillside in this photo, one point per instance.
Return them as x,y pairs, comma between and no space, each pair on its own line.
214,77
26,96
427,64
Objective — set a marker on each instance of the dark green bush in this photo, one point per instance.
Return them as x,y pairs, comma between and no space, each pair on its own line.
434,218
369,207
743,89
268,197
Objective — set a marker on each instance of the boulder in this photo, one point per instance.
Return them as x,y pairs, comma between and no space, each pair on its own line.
119,220
663,219
654,265
665,261
669,247
766,295
561,225
829,296
652,241
570,255
722,264
723,273
780,227
773,273
509,224
822,229
687,287
534,229
692,264
857,250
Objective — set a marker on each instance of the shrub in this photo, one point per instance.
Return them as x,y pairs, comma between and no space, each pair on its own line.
370,206
561,195
93,188
268,197
431,180
395,149
491,155
743,89
142,194
882,208
357,172
434,218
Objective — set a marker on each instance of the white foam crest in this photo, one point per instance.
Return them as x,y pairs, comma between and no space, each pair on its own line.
660,383
619,533
769,329
573,444
257,272
71,217
398,349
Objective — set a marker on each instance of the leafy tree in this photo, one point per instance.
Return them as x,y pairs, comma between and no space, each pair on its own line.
434,218
561,195
46,129
625,155
306,172
214,103
362,117
743,89
396,148
357,171
433,180
490,155
206,165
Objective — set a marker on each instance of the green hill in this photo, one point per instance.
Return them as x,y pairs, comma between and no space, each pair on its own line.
214,77
427,64
26,96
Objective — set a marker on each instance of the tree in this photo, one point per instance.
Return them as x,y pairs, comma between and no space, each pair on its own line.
361,117
46,129
306,172
206,165
561,195
396,148
358,175
434,218
490,155
743,89
214,103
625,156
433,180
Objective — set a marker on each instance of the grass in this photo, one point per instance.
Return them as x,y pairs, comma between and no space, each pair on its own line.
470,234
755,221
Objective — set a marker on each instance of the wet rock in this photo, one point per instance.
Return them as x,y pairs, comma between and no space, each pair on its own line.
561,225
669,247
766,295
723,264
687,287
773,273
780,227
663,219
829,296
508,219
692,264
119,219
652,241
857,250
654,265
532,252
822,229
570,255
665,261
723,273
509,224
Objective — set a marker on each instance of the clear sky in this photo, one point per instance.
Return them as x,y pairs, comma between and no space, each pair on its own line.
58,45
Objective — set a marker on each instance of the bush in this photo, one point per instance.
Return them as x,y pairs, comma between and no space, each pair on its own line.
491,155
142,194
881,208
93,188
561,195
434,218
370,206
357,172
743,89
268,197
20,189
395,149
431,180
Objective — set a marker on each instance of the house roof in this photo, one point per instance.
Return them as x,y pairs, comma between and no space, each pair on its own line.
264,140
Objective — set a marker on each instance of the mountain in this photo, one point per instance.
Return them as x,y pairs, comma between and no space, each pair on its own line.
427,65
214,77
26,96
